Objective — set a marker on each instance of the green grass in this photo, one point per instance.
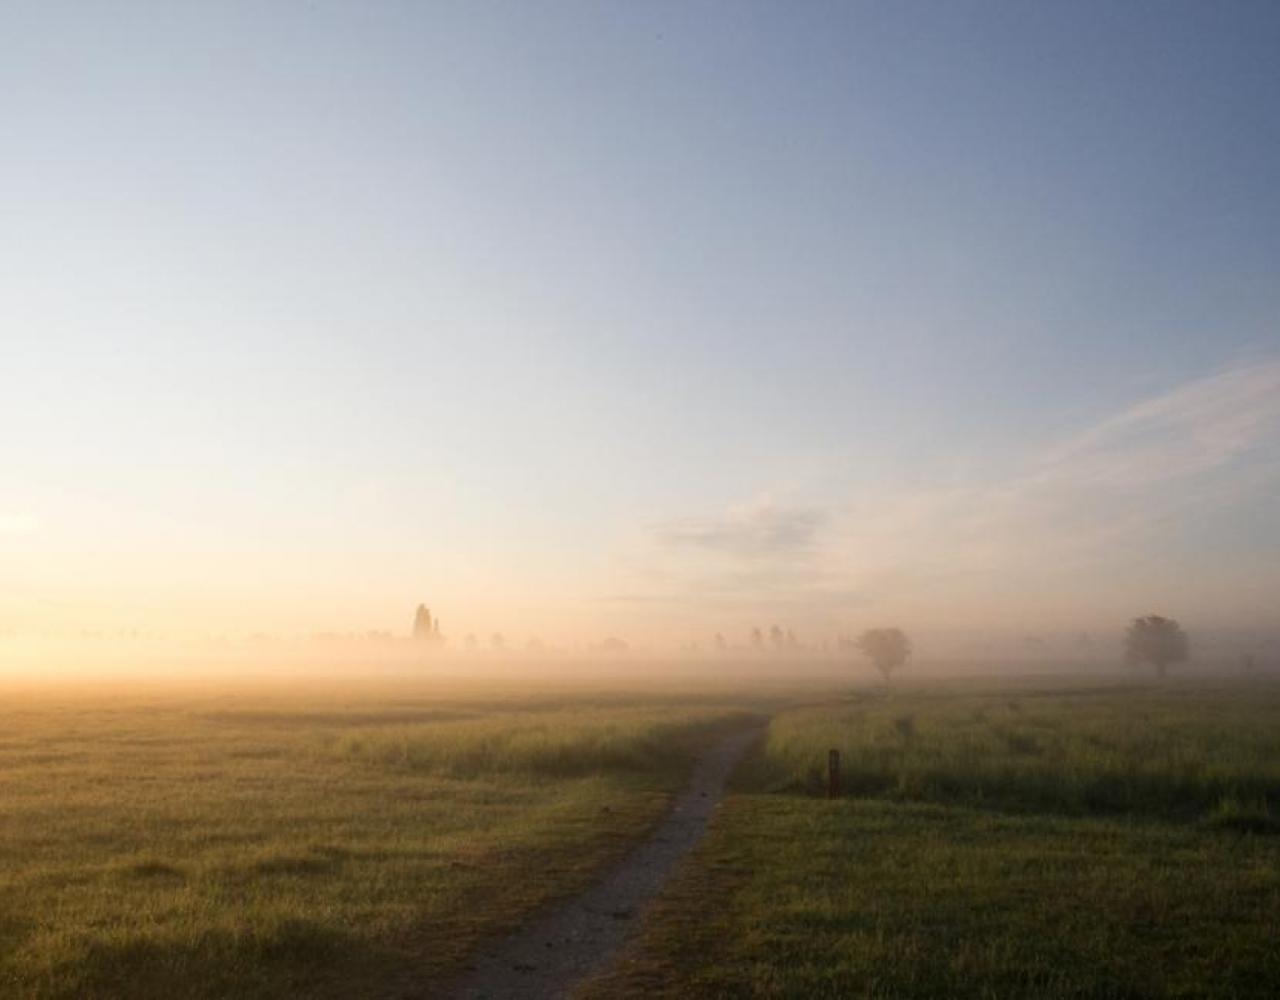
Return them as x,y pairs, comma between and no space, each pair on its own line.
1174,751
1056,840
1051,842
640,740
809,899
353,846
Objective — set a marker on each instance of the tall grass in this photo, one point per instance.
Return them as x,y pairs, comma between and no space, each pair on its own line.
1177,752
336,846
553,744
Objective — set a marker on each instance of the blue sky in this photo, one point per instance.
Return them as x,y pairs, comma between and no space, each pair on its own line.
600,316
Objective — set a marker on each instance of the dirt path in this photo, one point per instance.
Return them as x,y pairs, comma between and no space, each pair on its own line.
576,938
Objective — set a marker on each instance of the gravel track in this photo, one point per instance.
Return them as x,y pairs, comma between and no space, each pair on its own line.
574,939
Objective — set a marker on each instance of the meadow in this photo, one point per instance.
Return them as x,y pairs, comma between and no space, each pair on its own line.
1048,839
355,842
1182,751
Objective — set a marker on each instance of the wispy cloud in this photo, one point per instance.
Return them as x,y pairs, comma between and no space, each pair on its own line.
761,529
761,552
1082,512
1195,428
1089,500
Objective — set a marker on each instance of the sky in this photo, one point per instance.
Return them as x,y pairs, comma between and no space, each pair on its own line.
653,320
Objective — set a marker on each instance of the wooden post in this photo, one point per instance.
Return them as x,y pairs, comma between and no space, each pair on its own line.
833,774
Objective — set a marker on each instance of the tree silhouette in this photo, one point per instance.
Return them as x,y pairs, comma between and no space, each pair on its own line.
886,648
1155,640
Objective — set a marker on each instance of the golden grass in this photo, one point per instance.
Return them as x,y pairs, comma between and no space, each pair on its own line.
254,846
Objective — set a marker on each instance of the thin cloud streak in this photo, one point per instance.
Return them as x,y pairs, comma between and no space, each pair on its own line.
1194,428
1088,512
759,530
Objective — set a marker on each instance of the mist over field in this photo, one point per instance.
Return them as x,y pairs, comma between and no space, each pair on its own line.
382,656
595,499
577,324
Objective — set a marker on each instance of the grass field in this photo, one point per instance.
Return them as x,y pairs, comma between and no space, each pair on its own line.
1020,840
1181,751
352,844
1025,838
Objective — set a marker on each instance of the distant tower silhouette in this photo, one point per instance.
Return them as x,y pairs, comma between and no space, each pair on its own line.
422,625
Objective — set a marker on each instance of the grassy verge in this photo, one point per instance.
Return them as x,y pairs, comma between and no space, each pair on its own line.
156,849
806,898
1177,752
554,744
1129,854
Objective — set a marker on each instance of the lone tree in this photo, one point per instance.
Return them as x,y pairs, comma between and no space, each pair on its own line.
1155,640
886,648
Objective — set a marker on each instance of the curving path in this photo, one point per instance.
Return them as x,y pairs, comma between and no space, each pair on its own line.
576,938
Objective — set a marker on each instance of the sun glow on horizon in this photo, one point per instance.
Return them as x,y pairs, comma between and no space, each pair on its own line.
602,324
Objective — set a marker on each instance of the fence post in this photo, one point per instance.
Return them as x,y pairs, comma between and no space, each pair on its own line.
833,774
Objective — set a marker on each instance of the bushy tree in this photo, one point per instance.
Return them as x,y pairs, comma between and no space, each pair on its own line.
1155,640
886,648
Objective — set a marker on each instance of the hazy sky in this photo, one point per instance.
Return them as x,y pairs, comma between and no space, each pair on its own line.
640,318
